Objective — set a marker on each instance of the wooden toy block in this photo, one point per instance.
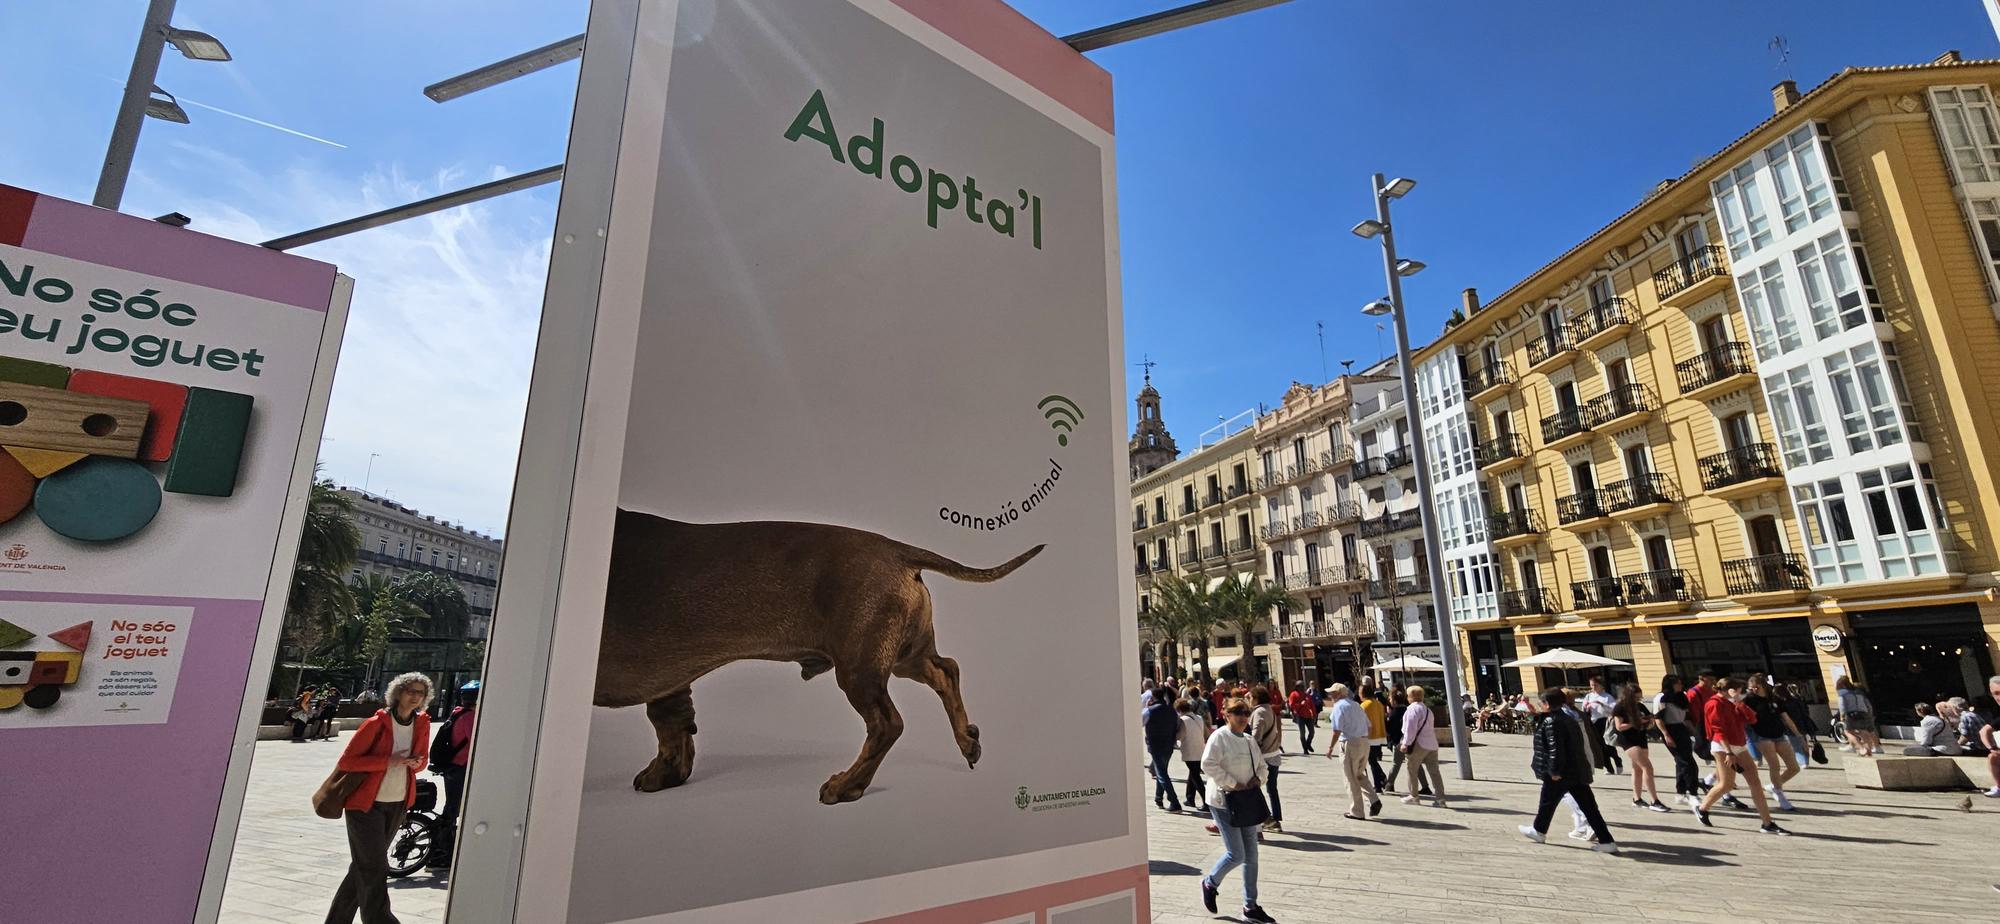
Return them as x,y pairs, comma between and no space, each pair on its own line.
62,666
17,487
9,698
76,636
11,635
68,421
98,499
210,447
30,372
165,399
15,665
43,670
41,463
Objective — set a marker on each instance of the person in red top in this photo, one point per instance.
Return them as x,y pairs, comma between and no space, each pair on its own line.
1698,697
1728,721
390,749
1304,714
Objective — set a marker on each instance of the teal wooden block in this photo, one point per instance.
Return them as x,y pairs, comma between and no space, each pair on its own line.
214,426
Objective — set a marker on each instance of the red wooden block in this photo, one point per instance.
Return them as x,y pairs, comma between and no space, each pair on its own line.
166,399
48,672
17,487
76,636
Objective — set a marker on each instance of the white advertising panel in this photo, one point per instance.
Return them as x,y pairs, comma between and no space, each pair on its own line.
840,632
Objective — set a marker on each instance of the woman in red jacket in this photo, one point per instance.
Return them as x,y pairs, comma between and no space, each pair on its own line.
1728,725
391,748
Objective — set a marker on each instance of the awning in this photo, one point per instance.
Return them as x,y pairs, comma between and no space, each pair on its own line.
1216,664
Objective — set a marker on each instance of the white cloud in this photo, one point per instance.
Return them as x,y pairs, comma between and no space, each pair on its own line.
433,372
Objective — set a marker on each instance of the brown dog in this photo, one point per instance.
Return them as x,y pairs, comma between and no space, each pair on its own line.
683,599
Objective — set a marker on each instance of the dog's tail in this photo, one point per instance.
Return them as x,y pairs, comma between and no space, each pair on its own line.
927,560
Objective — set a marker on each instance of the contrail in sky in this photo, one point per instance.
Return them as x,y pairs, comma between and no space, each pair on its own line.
256,121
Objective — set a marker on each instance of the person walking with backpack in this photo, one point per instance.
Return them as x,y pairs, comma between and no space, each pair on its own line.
1163,730
388,750
1234,765
1596,706
451,749
1562,761
1857,715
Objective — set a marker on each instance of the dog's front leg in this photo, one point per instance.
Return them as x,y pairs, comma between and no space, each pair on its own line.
673,721
870,697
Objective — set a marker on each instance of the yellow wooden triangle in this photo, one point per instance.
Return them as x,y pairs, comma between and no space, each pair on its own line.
42,463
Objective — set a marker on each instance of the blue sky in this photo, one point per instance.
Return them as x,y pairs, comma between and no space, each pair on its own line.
1244,152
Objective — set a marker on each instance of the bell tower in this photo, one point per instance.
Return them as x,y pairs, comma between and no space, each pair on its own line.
1152,446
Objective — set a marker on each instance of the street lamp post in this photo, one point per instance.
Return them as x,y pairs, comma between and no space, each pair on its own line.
1396,269
139,101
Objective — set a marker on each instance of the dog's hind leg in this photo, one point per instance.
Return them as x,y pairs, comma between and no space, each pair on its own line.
941,674
868,692
673,721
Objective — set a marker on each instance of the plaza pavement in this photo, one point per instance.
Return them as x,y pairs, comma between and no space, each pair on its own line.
1856,855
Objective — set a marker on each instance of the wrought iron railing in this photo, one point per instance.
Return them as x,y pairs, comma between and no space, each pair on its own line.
1601,317
1565,423
1531,602
1725,361
1488,376
1397,458
1583,505
1705,263
1667,585
1618,402
1638,491
1499,449
1596,593
1549,346
1746,463
1341,512
1506,524
1766,574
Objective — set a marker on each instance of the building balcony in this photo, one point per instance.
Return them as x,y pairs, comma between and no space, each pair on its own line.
1597,595
1509,528
1269,481
1566,428
1315,629
1580,509
1190,559
1211,553
1389,523
1240,548
1189,508
1342,513
1494,377
1743,472
1624,405
1531,602
1211,499
1236,492
1370,467
1602,323
1400,457
1766,579
410,564
1138,523
1327,576
1501,452
1639,496
1719,370
1162,565
1667,590
1545,350
1334,458
1693,278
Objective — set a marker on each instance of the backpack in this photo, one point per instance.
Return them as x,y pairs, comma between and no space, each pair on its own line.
443,750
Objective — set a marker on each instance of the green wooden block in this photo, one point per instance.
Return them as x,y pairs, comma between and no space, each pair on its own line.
209,448
11,635
30,372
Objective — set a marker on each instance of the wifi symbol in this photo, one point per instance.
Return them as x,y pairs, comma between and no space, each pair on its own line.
1062,414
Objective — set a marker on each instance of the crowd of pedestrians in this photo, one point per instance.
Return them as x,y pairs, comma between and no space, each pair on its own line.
1731,743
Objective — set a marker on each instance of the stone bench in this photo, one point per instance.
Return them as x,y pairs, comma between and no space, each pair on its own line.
1905,773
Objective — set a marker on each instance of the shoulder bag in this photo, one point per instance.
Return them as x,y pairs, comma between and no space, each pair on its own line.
330,799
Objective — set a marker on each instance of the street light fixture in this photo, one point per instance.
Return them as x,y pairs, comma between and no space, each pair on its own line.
1395,270
1376,308
162,105
197,46
143,97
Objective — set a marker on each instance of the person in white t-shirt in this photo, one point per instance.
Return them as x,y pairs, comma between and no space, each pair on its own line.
1597,706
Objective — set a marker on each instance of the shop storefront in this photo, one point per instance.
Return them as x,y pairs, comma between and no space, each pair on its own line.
1490,650
1919,654
1612,643
1333,664
1780,648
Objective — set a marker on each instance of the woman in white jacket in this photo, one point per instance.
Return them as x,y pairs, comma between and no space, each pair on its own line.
1194,739
1233,762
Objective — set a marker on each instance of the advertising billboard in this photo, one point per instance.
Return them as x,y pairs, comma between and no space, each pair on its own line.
161,396
840,632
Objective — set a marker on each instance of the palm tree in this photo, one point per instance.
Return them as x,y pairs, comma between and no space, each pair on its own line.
1245,601
1163,624
382,615
1194,610
442,607
319,598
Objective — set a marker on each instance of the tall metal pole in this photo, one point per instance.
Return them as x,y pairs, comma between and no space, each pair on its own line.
132,109
1427,512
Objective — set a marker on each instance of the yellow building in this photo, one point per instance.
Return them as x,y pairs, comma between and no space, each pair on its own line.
1742,428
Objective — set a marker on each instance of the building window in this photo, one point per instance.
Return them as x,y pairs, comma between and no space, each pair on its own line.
1799,180
1227,641
1795,409
1829,532
1741,208
384,548
1986,229
1905,540
1832,289
1773,325
1862,397
1966,118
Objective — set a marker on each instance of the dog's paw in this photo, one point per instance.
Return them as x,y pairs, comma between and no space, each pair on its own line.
836,790
659,775
970,746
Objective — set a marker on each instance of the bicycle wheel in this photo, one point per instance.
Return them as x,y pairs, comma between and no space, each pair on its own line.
410,846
